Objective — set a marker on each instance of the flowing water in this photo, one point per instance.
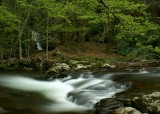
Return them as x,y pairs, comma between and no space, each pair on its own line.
77,93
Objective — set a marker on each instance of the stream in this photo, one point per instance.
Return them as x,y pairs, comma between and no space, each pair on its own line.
77,93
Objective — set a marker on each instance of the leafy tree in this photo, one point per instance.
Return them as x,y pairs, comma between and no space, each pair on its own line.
8,30
125,24
132,26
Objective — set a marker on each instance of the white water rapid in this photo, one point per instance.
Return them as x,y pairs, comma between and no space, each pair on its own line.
67,94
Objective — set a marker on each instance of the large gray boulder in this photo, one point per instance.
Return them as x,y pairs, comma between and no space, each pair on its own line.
125,110
115,106
106,106
148,103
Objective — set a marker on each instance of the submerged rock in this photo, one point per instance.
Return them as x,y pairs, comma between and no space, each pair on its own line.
148,103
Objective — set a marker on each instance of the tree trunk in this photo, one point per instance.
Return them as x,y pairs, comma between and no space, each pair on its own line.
75,36
104,33
154,10
28,50
20,36
108,35
19,39
1,53
47,38
81,32
20,48
65,38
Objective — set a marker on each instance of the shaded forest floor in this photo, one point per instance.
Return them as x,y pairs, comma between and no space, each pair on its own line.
96,52
88,55
85,50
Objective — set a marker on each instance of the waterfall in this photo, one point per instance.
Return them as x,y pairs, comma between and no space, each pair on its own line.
35,38
39,46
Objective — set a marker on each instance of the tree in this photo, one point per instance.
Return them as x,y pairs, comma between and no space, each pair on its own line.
121,23
8,31
132,23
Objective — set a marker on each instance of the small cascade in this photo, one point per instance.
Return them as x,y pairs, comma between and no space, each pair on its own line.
35,38
71,94
39,46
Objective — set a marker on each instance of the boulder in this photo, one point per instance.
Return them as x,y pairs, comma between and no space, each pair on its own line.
117,105
107,105
106,65
27,69
78,65
125,110
59,67
62,67
73,62
81,66
148,103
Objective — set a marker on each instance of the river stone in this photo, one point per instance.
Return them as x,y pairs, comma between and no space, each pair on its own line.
60,67
73,62
107,105
125,110
81,66
148,103
106,65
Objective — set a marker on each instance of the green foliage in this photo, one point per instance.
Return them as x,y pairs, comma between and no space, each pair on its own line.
136,33
124,23
141,53
157,49
8,29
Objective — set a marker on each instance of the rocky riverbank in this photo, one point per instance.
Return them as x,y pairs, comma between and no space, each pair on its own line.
122,103
142,104
51,67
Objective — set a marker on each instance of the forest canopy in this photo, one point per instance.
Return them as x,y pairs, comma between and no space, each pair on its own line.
130,26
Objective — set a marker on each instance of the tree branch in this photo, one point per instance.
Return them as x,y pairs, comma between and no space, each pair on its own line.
65,2
116,17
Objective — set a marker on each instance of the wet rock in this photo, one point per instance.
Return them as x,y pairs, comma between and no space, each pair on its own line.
55,76
78,65
106,65
113,105
148,103
125,110
27,69
59,67
81,66
62,67
106,106
37,64
87,75
73,62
